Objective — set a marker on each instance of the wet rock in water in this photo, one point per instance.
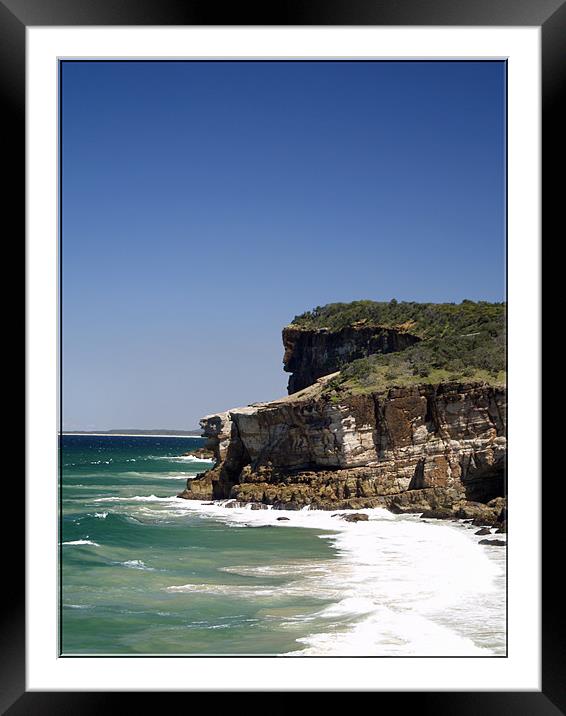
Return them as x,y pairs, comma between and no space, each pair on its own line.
258,506
355,518
502,529
483,531
483,522
207,503
498,504
286,506
493,542
480,514
282,519
439,514
234,503
200,487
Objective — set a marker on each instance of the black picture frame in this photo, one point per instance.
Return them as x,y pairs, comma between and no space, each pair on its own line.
550,15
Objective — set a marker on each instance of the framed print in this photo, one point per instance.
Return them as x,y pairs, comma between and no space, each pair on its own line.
356,192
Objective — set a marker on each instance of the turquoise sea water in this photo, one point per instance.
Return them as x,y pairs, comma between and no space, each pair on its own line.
144,572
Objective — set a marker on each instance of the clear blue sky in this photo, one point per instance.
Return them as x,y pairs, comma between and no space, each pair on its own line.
206,204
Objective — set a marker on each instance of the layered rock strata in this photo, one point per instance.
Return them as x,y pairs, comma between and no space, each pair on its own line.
311,354
412,449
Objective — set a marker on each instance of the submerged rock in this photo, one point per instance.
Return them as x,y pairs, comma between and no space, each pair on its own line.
493,542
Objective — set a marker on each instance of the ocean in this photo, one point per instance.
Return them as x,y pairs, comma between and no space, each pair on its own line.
144,572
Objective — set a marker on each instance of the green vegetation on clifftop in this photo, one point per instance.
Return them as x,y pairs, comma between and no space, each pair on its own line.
462,342
422,319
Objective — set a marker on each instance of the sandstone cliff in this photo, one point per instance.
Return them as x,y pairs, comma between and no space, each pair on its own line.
417,425
411,449
313,353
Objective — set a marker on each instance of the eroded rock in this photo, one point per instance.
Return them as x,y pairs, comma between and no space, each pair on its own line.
415,449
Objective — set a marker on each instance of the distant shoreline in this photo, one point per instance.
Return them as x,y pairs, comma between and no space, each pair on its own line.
133,435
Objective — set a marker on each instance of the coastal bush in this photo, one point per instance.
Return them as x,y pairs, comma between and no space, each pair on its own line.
464,341
423,319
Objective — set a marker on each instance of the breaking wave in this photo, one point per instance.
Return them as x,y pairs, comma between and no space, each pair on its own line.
401,586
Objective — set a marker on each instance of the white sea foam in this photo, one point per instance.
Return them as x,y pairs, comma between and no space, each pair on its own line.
402,586
420,589
137,564
385,631
83,542
226,590
182,476
306,583
101,515
182,458
134,498
165,476
279,570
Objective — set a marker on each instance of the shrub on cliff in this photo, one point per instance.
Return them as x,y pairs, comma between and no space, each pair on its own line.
463,341
424,319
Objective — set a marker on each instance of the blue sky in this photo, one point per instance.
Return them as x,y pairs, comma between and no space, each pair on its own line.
205,204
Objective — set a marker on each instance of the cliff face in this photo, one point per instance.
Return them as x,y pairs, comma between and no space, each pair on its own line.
311,354
414,448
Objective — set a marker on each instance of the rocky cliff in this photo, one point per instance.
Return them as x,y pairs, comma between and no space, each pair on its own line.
411,449
313,353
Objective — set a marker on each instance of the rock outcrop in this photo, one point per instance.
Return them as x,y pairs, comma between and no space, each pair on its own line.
200,454
411,449
313,353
